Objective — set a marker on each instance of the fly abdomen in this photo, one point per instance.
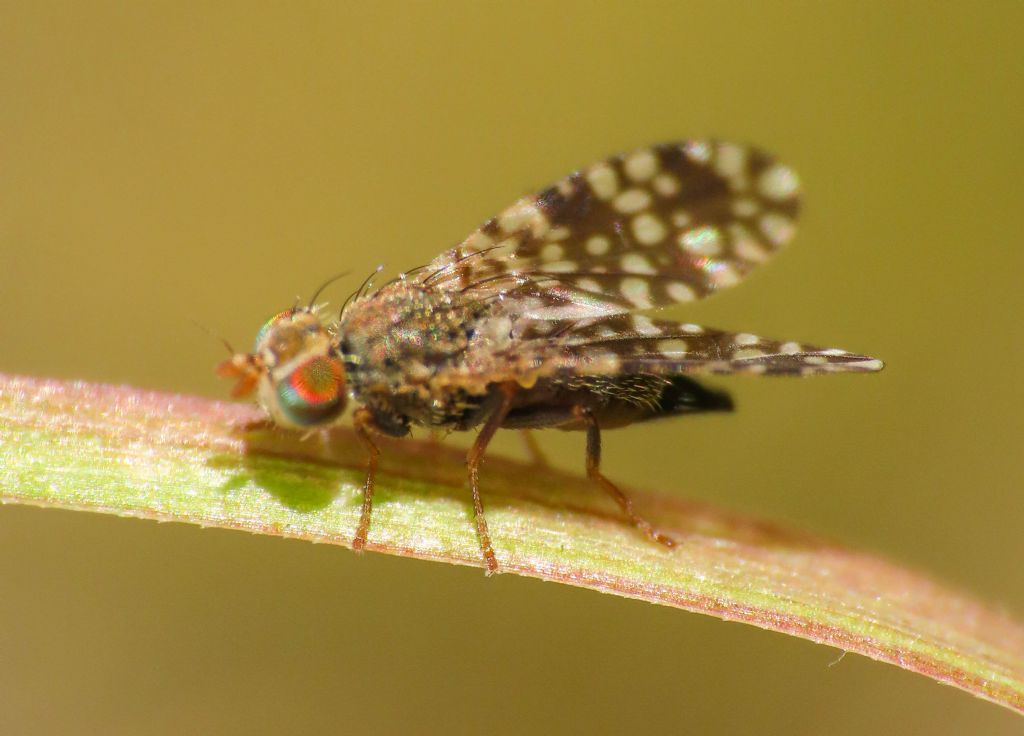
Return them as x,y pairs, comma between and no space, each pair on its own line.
619,400
614,401
683,395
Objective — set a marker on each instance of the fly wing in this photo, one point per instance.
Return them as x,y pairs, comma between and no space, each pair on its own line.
636,344
658,226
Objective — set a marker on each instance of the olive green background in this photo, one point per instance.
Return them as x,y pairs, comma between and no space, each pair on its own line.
167,164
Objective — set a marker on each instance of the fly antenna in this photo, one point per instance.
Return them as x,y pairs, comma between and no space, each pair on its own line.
210,332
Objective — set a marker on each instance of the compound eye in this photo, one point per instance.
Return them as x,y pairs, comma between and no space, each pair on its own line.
268,325
313,393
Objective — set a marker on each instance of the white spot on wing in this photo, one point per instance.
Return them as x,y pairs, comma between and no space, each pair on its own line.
632,200
637,291
648,229
745,207
778,183
636,263
724,275
603,181
666,185
681,218
524,214
702,241
478,241
641,165
779,229
680,292
552,252
674,348
731,160
643,325
698,151
746,246
598,245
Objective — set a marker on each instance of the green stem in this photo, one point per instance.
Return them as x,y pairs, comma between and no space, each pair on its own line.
176,458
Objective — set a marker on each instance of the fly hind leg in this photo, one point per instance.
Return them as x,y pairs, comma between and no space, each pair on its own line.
533,450
594,473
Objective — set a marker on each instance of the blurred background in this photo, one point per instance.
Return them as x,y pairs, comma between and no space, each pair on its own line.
170,163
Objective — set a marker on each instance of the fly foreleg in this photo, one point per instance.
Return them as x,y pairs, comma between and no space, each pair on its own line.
365,427
473,460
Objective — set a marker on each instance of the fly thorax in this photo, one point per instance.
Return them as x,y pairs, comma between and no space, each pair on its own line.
398,338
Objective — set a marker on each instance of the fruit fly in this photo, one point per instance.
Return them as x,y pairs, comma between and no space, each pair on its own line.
536,319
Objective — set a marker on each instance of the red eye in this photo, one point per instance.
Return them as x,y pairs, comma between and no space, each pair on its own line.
317,380
314,392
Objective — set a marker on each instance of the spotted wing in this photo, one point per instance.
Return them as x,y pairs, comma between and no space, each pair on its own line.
632,344
661,225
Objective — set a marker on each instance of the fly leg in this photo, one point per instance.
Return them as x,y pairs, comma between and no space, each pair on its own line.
533,448
258,425
473,460
594,473
364,426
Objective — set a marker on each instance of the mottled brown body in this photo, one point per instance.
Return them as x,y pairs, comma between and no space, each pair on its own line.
419,355
401,347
